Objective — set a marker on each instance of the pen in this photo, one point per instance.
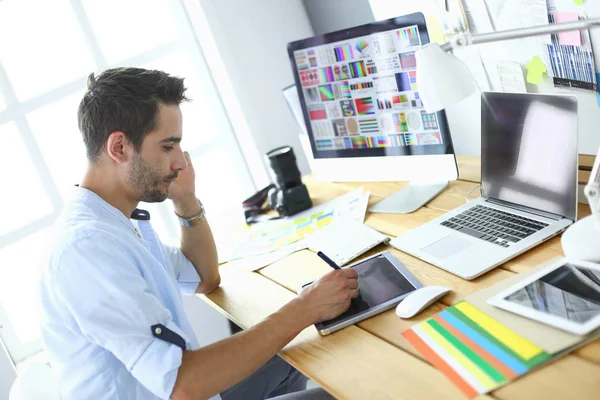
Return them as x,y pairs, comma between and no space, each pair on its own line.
328,260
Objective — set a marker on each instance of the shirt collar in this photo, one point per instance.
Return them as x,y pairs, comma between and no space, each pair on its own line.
86,195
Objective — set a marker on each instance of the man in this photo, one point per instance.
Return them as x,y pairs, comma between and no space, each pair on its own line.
113,318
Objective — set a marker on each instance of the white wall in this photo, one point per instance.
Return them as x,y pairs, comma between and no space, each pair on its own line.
252,38
7,373
334,15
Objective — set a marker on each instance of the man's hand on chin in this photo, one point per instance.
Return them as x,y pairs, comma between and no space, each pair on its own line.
182,191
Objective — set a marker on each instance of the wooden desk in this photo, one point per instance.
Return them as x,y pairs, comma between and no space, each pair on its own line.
371,360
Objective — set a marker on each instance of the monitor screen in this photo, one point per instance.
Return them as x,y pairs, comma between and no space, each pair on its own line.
359,95
529,151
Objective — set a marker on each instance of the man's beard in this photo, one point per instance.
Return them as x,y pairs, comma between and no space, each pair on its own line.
148,180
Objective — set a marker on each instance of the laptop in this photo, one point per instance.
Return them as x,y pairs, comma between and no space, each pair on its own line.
529,165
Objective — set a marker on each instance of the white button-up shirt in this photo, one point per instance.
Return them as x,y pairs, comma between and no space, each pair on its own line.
107,281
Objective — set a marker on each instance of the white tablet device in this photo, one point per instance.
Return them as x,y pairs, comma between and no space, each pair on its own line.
565,295
382,282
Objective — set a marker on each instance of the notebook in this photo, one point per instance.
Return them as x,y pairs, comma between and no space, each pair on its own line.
345,239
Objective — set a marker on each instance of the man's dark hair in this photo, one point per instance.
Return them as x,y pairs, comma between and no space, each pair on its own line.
127,100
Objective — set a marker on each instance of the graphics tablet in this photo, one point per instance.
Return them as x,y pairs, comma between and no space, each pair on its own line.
565,295
382,282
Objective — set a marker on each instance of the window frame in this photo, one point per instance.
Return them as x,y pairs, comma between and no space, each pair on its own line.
17,112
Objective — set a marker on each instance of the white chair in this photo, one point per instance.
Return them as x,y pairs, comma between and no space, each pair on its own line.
35,382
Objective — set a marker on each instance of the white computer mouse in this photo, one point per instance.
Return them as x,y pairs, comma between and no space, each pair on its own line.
419,300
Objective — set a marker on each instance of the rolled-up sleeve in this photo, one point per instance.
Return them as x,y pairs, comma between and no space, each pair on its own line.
185,272
113,306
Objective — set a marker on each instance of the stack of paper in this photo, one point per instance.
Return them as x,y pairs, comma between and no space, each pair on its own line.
475,351
270,241
345,239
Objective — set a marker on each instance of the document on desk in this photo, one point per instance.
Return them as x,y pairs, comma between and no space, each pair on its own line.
256,262
267,237
344,240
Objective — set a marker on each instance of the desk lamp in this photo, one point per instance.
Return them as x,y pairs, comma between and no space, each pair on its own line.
444,80
582,240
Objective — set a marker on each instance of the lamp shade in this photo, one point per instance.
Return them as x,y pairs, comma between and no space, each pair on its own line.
443,79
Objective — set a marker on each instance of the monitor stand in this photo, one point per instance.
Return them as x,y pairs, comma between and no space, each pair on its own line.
409,199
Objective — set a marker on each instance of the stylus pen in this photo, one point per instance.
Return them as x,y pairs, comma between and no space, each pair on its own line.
328,260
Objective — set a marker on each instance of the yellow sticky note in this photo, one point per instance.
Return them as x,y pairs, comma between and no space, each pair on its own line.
578,2
436,32
325,221
307,230
516,343
535,70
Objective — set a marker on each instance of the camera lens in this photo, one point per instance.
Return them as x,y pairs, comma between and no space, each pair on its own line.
284,169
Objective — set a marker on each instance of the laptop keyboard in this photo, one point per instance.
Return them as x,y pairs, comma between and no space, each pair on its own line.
494,226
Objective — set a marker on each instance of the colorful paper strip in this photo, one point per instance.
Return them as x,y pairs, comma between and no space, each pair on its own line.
523,347
439,363
476,352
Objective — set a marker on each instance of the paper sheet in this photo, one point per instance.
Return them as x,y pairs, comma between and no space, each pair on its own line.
511,77
495,8
266,237
470,56
534,13
478,16
344,240
490,61
256,262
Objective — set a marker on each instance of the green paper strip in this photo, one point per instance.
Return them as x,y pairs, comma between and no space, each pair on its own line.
470,354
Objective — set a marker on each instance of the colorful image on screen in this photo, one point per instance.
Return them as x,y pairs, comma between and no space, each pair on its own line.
344,52
357,69
326,92
409,37
345,90
361,93
403,82
312,58
408,60
365,106
341,72
348,108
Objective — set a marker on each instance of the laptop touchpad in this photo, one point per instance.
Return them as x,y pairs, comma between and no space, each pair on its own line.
446,247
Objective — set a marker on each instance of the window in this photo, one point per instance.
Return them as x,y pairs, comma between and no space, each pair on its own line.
47,49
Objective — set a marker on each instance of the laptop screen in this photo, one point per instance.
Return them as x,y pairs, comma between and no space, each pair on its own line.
529,150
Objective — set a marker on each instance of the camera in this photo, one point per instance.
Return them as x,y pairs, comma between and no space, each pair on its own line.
289,195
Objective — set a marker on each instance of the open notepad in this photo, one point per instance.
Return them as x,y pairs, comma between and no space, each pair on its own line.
345,239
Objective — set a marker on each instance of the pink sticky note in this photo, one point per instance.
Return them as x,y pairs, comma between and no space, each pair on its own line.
571,37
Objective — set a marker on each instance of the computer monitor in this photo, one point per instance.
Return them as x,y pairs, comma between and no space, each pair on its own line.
363,114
